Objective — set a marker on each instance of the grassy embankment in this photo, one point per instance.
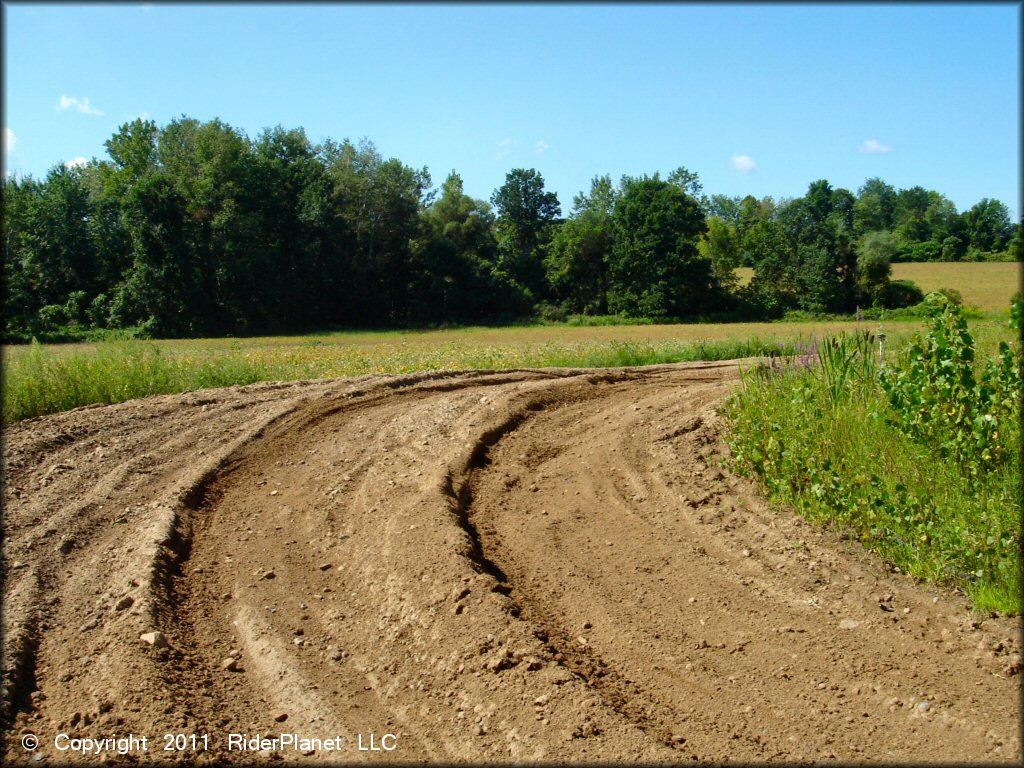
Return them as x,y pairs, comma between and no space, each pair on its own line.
919,461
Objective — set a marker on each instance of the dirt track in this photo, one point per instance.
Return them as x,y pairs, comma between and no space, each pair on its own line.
526,565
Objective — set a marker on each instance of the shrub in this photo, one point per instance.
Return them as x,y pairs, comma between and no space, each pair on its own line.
902,293
921,461
938,398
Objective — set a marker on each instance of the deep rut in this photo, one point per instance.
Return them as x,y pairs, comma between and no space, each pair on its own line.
518,566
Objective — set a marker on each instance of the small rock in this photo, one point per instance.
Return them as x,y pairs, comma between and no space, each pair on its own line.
66,545
746,553
268,575
325,566
273,493
230,664
923,706
155,639
540,701
678,738
125,602
849,624
280,717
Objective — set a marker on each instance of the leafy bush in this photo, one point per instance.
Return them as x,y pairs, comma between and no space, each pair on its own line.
902,293
924,470
937,397
551,313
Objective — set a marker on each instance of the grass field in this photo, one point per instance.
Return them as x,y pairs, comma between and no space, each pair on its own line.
46,379
986,285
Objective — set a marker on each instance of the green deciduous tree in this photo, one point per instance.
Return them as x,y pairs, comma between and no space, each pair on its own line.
379,202
875,207
721,246
774,287
526,215
576,264
453,264
875,251
988,226
655,268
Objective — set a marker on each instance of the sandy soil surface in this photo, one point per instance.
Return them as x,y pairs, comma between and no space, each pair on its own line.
518,566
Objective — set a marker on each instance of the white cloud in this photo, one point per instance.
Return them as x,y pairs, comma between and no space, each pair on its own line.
11,158
82,105
742,163
542,146
871,146
505,147
78,162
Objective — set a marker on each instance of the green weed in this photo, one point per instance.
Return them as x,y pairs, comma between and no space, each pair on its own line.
920,460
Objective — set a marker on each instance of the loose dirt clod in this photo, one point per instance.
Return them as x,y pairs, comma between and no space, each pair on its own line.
374,548
124,603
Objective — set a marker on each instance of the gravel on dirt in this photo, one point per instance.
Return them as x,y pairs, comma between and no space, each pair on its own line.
533,565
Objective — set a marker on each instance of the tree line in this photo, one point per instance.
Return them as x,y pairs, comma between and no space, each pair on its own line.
194,229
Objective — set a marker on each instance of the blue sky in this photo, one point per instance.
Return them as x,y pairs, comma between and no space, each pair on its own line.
757,99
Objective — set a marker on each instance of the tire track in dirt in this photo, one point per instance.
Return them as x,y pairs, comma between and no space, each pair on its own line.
514,566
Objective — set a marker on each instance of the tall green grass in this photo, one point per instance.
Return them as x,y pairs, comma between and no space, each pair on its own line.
40,381
819,433
43,379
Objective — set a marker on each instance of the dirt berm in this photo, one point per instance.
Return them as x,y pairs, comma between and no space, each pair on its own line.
534,565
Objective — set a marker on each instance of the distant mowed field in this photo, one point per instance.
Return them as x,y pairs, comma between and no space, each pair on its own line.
986,285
